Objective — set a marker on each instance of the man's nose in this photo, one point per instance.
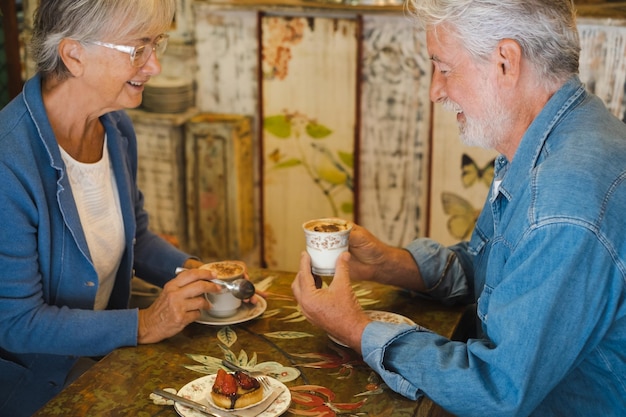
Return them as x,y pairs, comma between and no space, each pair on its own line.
437,90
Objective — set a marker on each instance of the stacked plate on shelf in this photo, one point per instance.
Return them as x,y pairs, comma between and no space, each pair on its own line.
168,95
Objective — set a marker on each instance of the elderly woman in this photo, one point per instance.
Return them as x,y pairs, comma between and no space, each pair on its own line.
73,225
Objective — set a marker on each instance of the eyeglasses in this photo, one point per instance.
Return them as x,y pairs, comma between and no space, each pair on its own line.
139,55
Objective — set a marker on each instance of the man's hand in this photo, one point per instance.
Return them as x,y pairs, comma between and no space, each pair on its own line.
368,254
334,309
374,260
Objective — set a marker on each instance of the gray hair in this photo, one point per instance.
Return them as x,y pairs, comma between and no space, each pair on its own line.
92,20
545,30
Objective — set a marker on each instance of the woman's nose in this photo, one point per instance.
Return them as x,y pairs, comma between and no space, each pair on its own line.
152,65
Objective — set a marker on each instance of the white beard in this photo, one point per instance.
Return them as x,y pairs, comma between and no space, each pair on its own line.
488,132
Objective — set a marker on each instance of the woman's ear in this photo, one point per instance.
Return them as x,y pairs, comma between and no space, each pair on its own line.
72,54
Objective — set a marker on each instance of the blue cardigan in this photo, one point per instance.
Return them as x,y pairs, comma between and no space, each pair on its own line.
48,282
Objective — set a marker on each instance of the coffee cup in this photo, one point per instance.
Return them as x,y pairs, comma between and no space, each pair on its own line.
326,239
224,303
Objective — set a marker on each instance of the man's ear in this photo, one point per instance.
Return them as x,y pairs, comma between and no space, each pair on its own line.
72,54
509,60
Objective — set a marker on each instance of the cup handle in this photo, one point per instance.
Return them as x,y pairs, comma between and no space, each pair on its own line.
318,280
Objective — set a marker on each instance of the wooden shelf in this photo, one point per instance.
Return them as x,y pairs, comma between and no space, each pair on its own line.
595,9
612,10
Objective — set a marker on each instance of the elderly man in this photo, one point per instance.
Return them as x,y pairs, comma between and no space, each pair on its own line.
546,264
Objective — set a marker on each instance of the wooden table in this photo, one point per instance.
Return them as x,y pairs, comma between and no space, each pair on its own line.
332,379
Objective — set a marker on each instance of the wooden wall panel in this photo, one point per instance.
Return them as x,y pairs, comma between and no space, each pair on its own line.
395,129
227,54
603,62
309,108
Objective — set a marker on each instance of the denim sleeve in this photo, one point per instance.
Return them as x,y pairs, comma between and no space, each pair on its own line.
374,354
545,315
447,271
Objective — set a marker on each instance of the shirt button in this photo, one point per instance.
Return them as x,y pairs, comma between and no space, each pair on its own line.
90,284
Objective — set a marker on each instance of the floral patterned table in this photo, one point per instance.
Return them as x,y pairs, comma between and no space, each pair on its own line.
324,378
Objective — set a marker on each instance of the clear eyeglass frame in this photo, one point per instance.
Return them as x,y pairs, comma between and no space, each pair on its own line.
140,54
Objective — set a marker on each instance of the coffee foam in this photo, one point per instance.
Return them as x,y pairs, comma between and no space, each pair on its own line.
224,269
326,226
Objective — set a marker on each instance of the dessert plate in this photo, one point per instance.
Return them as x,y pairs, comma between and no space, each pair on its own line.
247,311
383,316
199,390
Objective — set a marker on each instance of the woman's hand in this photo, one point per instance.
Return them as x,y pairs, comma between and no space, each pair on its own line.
192,263
177,305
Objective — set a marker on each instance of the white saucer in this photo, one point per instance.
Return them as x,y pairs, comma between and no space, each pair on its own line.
199,390
247,311
383,316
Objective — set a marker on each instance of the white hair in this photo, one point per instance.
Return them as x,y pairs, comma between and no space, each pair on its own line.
545,30
91,20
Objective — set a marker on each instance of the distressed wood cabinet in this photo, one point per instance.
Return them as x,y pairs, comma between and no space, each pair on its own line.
196,172
219,186
161,171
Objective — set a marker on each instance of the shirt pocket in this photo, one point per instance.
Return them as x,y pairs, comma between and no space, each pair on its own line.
478,241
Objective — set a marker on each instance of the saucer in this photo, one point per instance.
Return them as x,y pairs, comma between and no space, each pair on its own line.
383,316
245,312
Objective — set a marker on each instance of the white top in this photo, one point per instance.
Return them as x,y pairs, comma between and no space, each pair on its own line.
98,203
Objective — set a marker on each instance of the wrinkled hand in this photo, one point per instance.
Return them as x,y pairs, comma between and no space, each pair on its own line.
368,254
178,305
194,263
334,309
374,260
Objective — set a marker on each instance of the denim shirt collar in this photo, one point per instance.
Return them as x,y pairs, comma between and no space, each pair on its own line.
533,143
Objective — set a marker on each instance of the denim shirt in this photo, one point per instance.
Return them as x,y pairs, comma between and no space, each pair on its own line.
546,265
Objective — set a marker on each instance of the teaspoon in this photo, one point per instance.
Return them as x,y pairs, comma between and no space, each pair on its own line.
240,288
